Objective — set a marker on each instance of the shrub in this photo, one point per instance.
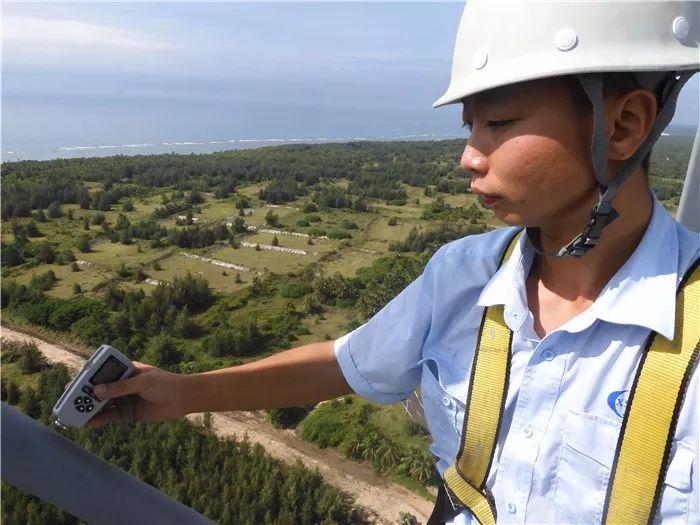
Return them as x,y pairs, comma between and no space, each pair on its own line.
288,417
31,360
84,243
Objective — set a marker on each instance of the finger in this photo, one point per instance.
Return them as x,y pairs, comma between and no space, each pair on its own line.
132,385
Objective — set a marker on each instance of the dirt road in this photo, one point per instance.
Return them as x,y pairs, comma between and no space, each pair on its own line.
382,499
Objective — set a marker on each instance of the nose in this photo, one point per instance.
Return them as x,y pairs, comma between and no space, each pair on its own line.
473,160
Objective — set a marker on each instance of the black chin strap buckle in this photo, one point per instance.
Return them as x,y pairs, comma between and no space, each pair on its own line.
602,215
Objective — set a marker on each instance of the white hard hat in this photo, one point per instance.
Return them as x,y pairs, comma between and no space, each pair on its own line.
502,42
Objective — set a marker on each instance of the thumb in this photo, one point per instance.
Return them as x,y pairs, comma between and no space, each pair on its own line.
132,385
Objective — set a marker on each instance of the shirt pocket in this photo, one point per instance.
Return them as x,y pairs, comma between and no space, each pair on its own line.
584,467
677,487
587,452
444,411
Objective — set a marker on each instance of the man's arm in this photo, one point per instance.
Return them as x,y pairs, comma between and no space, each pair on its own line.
300,376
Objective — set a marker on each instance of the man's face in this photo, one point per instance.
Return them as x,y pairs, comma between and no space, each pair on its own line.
529,153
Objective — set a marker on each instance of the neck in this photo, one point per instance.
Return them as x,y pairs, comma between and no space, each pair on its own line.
583,278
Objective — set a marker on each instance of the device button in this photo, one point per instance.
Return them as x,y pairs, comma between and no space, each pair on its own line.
89,408
89,391
80,408
78,401
87,400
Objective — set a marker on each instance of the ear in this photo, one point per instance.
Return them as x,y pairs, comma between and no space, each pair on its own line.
630,117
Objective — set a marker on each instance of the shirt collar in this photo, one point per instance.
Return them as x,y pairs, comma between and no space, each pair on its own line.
641,293
507,286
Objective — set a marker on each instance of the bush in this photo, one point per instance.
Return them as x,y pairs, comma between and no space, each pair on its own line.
54,210
84,243
65,257
303,223
11,255
271,218
45,253
31,360
245,340
338,234
164,353
325,427
293,290
288,417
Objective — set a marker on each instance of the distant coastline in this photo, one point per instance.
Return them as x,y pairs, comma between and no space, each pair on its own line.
218,145
194,146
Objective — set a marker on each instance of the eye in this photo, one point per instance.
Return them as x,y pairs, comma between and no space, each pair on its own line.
499,123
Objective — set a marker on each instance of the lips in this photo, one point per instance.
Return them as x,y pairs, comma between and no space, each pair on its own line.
487,199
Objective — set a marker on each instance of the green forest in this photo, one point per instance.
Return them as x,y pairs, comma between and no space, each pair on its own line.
197,262
228,481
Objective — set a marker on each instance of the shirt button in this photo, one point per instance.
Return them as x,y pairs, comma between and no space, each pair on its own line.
548,355
527,431
510,507
446,401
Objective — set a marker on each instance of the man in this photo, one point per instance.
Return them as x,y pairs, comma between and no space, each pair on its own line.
557,148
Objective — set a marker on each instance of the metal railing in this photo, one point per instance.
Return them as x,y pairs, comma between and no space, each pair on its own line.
53,468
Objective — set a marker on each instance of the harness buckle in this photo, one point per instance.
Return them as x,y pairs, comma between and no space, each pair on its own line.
601,215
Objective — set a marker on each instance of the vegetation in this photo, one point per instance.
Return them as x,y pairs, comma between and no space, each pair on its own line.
169,258
228,481
349,425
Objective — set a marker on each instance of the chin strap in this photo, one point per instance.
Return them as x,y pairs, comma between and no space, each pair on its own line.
604,213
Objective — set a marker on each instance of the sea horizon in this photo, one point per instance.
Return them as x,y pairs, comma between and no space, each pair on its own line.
217,145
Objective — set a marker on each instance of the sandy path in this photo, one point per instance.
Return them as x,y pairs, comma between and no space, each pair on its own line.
382,499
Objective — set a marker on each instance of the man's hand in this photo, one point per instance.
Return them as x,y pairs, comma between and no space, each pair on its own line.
154,395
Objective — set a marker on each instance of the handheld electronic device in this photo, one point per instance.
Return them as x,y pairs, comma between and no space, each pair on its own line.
78,404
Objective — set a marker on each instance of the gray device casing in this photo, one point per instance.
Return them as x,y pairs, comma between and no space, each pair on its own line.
78,404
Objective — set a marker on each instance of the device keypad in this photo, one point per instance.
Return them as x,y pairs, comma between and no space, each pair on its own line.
83,404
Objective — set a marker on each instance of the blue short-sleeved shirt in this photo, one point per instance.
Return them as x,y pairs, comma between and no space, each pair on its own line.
567,392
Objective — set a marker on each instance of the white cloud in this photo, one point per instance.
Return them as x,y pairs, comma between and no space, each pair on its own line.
55,35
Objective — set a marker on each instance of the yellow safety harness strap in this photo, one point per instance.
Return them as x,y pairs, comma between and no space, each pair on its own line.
488,386
643,448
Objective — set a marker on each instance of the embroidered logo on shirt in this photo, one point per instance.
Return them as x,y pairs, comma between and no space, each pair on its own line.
617,401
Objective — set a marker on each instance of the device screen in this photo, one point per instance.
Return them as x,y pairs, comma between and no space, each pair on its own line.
111,370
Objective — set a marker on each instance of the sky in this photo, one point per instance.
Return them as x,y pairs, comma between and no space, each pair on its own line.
106,78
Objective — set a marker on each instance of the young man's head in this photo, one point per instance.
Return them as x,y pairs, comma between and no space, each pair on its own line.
530,147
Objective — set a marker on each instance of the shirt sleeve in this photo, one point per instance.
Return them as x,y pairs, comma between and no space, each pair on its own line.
380,359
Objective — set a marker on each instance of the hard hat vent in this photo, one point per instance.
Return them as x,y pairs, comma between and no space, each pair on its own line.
480,58
565,39
681,27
